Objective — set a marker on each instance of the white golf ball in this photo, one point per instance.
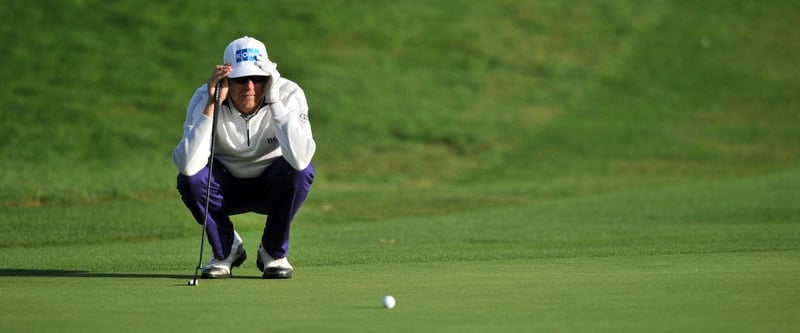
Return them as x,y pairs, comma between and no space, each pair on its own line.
388,301
193,282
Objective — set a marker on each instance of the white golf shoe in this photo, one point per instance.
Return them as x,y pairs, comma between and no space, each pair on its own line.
273,268
221,269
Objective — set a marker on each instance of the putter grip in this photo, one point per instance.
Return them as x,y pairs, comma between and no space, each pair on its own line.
214,124
216,95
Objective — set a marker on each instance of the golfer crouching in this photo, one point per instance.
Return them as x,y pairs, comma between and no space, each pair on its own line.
262,158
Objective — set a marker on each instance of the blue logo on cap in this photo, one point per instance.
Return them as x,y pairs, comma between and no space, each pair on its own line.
248,54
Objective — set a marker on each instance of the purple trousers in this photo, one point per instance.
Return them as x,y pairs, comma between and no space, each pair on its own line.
278,193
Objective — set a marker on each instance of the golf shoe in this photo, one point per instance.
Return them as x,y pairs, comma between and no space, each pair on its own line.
273,268
221,269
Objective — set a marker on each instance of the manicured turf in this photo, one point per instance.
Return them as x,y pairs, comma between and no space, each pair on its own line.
690,259
731,292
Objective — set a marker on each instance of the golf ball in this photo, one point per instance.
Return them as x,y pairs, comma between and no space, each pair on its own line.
388,301
193,282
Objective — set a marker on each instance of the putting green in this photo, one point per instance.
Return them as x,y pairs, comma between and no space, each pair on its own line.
713,292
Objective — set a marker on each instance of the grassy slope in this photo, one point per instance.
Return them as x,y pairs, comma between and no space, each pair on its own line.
465,106
509,84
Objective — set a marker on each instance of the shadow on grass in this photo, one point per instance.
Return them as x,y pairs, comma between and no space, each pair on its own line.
69,273
11,272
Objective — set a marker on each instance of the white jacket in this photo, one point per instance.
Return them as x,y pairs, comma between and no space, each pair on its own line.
247,146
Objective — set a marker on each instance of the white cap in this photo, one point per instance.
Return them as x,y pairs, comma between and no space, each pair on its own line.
241,55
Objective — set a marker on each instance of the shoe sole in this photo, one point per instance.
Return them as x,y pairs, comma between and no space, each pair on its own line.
236,263
277,273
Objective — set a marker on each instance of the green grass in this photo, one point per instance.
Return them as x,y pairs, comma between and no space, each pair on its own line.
708,257
631,293
510,166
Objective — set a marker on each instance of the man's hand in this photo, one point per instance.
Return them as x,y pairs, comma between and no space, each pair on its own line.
271,87
219,73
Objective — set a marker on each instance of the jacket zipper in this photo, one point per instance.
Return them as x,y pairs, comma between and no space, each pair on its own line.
247,126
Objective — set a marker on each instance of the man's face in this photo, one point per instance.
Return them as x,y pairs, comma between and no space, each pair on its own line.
247,92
